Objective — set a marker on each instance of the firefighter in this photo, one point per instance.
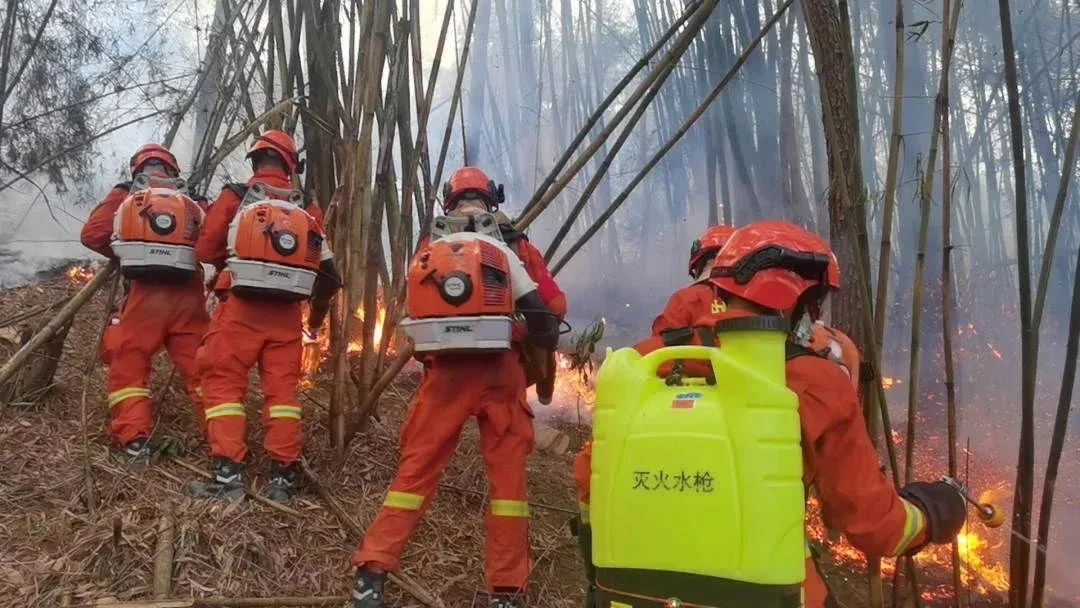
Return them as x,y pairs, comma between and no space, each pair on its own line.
454,388
164,303
839,460
270,238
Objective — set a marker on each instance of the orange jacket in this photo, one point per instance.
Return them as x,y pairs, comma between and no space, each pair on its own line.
97,231
687,305
838,458
212,246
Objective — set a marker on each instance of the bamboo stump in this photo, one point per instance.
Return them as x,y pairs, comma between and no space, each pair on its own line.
34,378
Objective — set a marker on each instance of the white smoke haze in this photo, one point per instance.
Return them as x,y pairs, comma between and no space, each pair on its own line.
537,69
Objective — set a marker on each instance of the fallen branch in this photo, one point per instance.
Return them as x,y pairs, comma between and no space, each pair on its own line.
163,555
63,316
33,312
398,579
257,497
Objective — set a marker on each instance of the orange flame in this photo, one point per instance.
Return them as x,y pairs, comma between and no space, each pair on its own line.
79,276
572,388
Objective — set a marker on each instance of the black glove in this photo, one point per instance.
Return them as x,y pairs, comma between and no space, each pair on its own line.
944,508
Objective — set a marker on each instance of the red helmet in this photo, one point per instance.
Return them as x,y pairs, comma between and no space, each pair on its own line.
470,180
149,152
280,143
774,264
705,248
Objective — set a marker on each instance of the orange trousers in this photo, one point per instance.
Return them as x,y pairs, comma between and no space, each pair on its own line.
152,316
244,332
815,593
492,388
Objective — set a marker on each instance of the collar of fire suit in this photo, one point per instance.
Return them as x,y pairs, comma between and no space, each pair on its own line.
271,177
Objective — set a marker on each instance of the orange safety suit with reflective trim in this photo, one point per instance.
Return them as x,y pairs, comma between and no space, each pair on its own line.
244,332
152,315
838,459
454,388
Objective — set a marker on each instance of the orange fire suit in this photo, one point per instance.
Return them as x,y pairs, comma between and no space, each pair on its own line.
243,332
688,305
153,315
492,388
838,460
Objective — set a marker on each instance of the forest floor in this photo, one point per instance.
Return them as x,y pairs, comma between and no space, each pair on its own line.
56,548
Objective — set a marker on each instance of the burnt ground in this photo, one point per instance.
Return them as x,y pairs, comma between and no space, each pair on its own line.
61,544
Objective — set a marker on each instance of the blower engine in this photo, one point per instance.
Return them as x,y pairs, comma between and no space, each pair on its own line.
155,229
275,246
464,288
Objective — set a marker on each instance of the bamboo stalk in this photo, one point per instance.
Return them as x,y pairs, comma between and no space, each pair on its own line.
925,194
1057,439
1068,163
672,57
689,122
946,284
163,554
642,105
688,12
420,152
454,101
1020,551
891,171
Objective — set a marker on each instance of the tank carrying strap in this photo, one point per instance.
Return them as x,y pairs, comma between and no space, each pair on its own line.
792,350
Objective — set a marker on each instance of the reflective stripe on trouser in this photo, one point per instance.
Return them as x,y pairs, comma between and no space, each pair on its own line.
492,388
153,316
243,333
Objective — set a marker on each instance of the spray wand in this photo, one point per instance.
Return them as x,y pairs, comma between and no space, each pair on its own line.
990,515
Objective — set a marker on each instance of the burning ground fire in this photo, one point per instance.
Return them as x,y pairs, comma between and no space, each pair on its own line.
78,275
317,350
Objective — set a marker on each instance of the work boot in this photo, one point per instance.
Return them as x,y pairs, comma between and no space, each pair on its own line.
228,482
137,452
282,484
367,588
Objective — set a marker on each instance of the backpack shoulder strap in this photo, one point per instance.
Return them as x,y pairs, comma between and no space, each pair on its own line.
792,350
240,190
124,186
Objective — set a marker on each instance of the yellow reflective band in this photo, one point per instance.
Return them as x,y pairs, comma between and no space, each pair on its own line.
225,409
285,411
583,508
116,397
403,500
615,604
913,525
509,508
